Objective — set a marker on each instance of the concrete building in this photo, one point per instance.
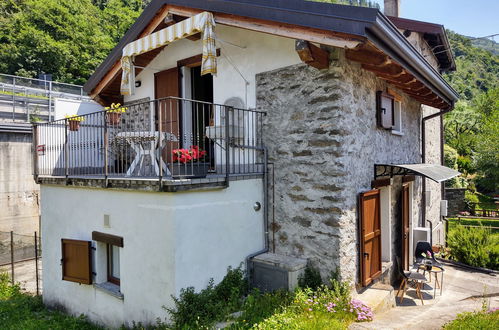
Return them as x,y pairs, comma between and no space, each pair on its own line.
316,139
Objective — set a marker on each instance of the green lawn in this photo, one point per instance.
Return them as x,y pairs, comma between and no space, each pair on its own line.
22,311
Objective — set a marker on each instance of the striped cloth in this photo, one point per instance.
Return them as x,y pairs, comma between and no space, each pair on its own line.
203,23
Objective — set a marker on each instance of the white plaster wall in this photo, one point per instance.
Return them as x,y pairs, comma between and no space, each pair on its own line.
171,240
258,55
63,107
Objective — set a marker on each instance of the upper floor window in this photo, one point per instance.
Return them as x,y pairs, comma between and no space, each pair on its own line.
389,112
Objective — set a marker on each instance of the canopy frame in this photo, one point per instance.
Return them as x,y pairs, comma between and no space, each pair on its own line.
424,170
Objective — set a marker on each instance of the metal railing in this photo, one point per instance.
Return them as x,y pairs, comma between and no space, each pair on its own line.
29,99
170,138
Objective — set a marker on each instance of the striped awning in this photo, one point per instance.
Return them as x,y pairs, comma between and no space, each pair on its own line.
202,23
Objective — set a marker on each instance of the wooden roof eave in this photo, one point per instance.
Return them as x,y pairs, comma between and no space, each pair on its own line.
386,68
323,37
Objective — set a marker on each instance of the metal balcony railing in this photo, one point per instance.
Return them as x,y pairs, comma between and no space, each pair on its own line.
169,138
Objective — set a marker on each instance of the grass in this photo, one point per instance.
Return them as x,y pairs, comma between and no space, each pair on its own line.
475,320
19,310
453,222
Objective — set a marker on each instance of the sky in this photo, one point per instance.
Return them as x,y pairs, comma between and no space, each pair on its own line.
474,18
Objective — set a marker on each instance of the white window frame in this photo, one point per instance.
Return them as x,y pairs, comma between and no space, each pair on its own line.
397,128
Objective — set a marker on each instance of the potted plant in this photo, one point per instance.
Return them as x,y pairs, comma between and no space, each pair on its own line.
74,122
189,163
113,113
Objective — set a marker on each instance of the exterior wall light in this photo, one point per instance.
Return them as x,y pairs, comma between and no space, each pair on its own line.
257,206
138,83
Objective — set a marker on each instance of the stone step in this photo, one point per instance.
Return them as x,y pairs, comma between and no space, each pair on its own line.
380,297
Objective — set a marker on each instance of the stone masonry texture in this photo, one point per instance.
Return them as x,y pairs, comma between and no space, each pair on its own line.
323,141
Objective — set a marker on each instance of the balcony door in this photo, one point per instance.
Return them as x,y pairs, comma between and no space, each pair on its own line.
166,83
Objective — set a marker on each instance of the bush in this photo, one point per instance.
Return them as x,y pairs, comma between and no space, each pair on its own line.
202,309
311,278
471,200
259,306
474,246
477,320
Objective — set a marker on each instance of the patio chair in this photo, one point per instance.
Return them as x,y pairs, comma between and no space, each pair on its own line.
435,266
410,277
423,247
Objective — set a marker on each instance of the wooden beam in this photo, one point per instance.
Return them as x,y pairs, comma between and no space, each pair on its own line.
107,238
323,37
193,60
391,70
312,55
408,178
116,69
366,57
379,183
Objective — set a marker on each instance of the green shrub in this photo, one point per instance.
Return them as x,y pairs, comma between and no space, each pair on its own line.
471,200
476,320
258,306
7,290
311,278
214,303
474,246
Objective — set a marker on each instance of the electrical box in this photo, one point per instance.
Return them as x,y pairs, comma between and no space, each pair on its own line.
271,271
420,234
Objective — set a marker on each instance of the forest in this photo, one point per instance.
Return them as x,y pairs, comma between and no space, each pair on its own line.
70,38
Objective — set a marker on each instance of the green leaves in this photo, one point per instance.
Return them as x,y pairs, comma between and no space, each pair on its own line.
64,37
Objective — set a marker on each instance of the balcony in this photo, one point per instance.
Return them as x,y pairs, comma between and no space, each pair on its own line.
167,144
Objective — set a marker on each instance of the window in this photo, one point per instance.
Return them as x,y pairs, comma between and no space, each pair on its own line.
113,264
108,256
397,117
389,112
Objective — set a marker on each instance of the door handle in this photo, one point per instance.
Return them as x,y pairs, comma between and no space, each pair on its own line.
366,255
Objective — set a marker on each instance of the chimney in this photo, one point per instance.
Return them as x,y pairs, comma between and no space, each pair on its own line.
392,8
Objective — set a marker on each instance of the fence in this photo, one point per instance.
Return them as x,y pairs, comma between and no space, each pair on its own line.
486,210
20,257
28,99
164,138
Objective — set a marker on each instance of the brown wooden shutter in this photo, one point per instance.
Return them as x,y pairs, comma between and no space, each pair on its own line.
76,261
385,110
370,236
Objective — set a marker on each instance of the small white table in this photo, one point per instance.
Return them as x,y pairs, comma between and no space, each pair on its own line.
145,144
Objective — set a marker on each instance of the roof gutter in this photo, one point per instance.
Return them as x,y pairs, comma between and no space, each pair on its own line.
384,35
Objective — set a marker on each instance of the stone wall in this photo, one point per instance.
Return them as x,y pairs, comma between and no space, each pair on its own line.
19,195
322,137
455,198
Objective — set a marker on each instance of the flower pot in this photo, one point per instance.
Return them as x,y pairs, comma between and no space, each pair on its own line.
74,125
113,118
189,170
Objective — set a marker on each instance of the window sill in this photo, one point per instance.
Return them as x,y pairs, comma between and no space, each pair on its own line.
399,133
110,288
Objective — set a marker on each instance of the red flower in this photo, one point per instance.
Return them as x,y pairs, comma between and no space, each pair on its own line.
188,155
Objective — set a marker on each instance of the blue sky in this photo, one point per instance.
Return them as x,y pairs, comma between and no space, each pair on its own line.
475,18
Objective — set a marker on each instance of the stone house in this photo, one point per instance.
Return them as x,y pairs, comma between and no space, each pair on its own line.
316,136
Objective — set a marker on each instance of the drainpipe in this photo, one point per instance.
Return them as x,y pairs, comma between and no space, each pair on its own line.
265,214
423,152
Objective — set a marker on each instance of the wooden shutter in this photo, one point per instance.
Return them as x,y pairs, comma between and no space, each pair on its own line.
370,236
76,261
385,110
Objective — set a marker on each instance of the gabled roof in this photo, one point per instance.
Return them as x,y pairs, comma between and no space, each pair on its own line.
356,23
434,35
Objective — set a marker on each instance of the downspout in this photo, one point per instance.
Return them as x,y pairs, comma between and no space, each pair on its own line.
265,214
423,152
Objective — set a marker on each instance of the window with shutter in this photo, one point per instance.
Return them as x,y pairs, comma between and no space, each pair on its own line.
76,261
385,110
